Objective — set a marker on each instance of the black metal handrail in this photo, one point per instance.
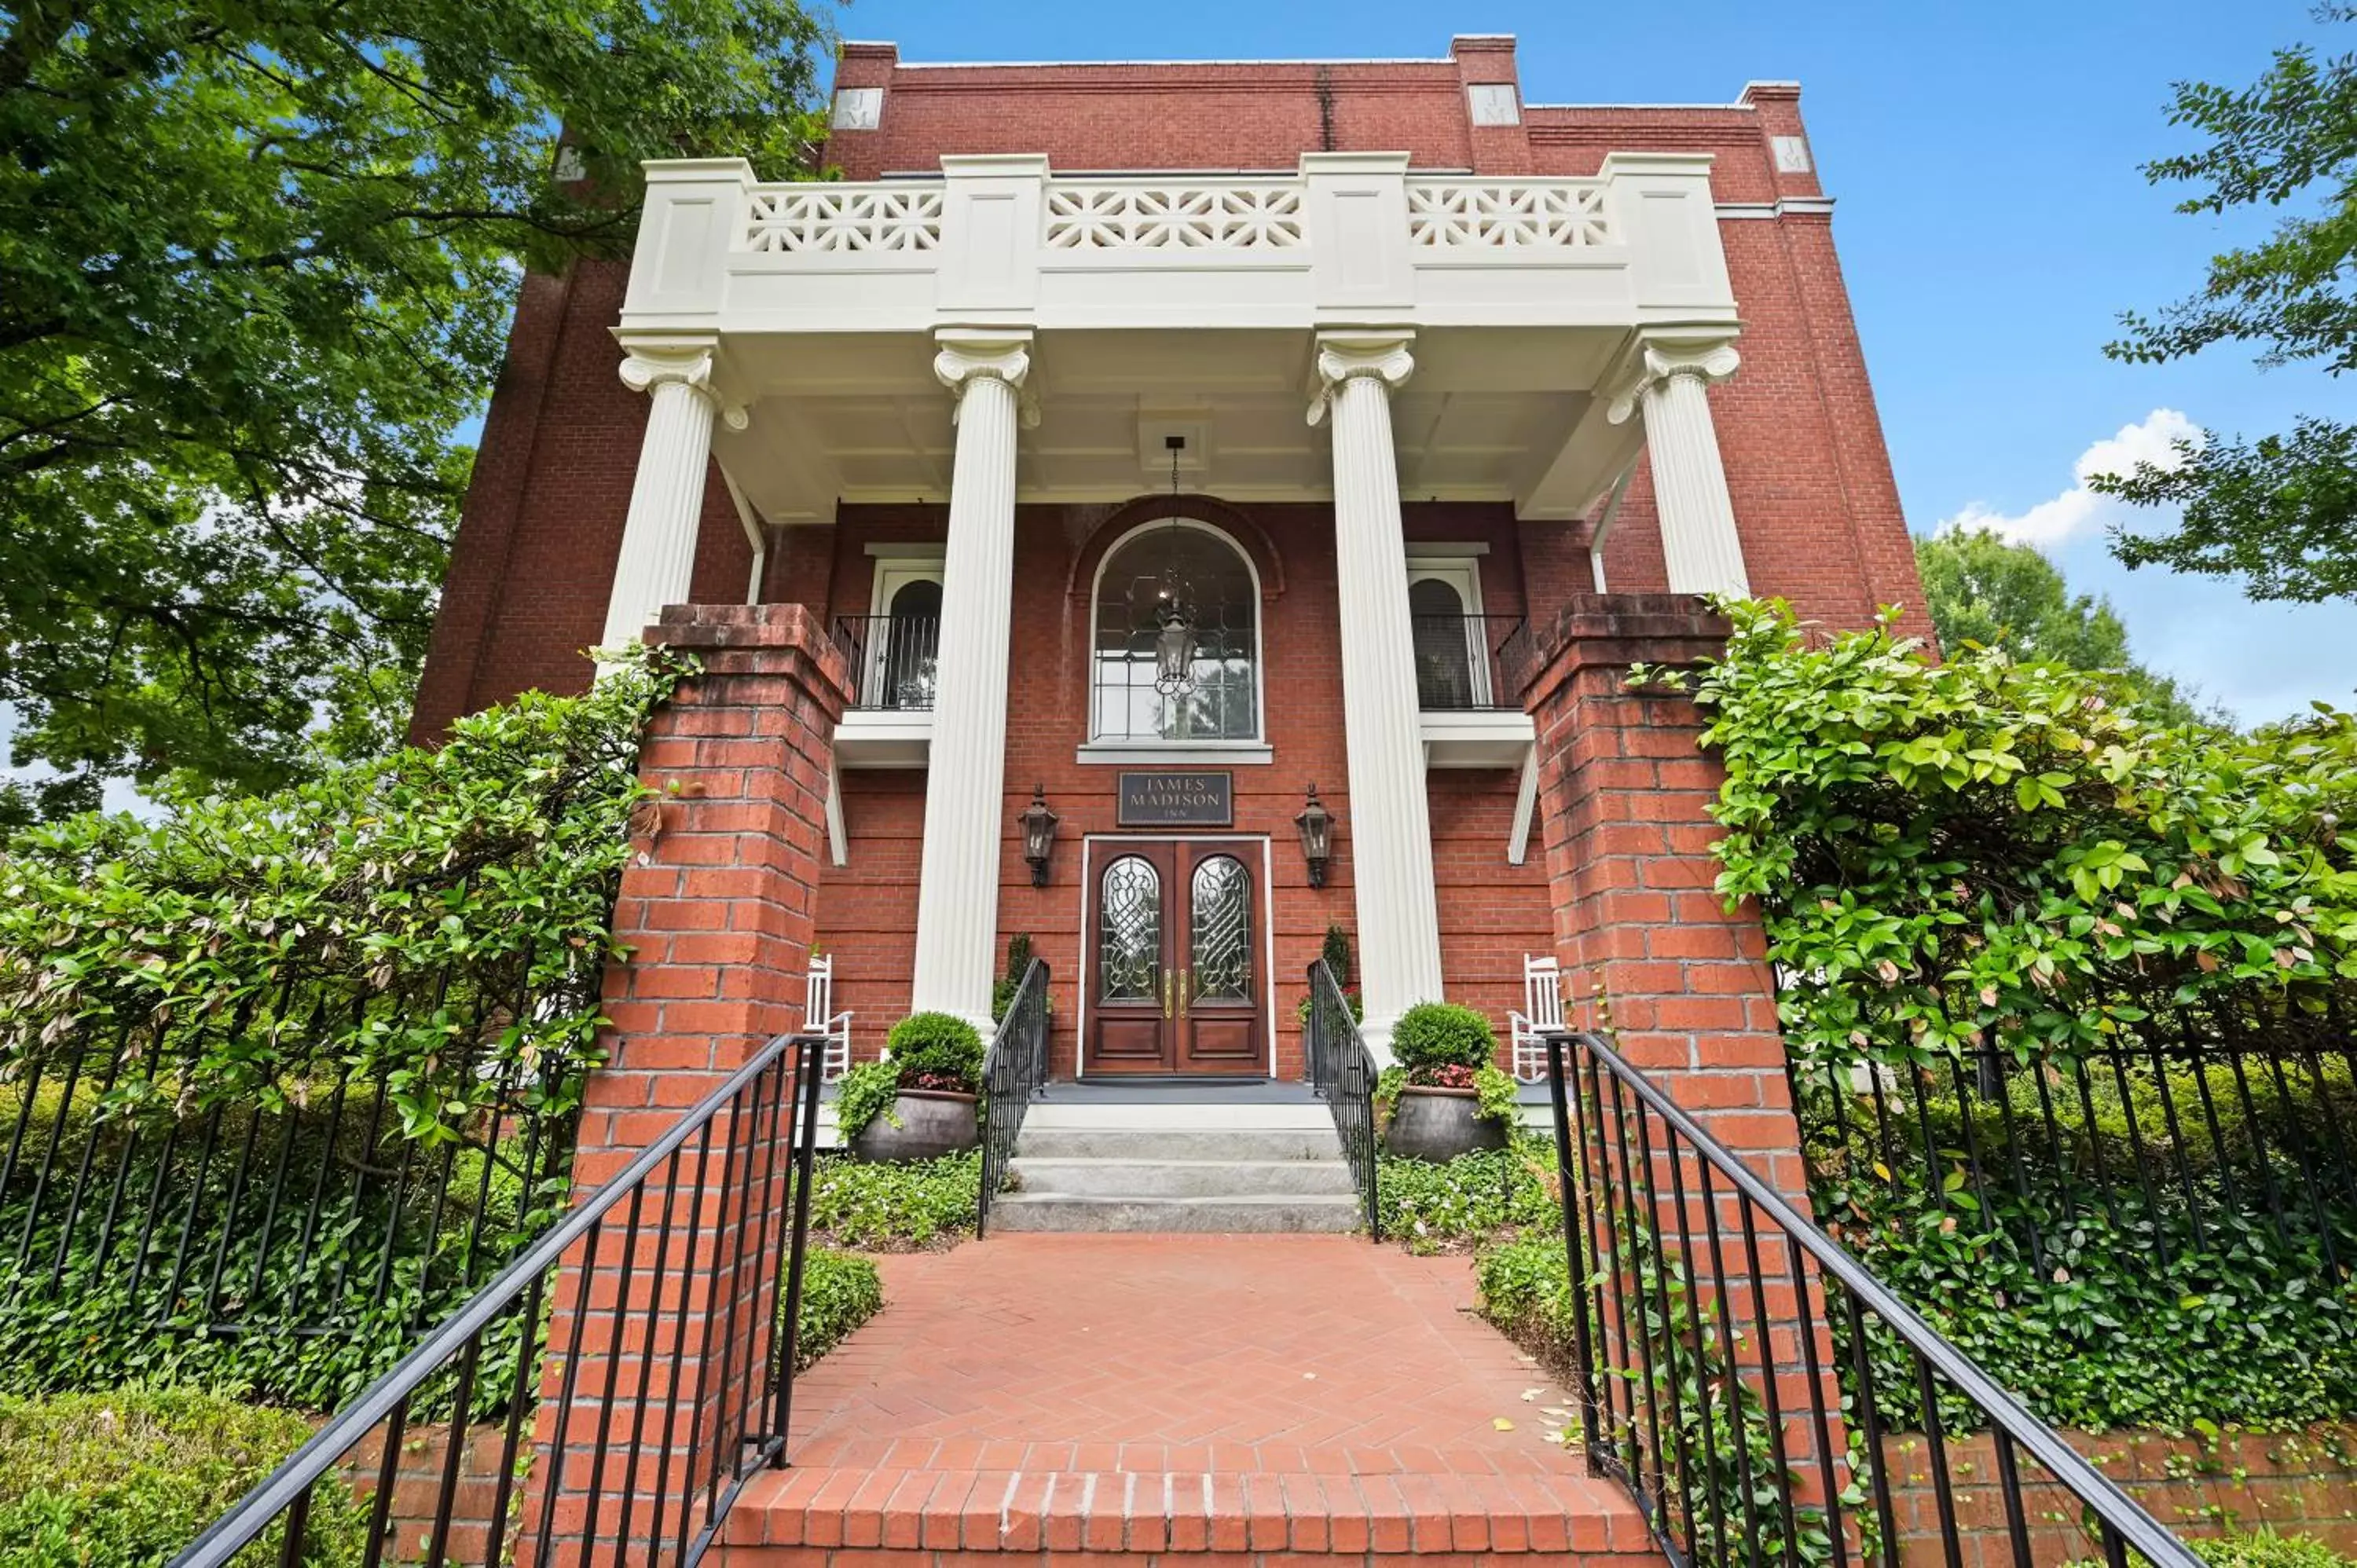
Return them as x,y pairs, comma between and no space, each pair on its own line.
1014,1068
695,1262
1735,1423
894,660
1459,662
1342,1073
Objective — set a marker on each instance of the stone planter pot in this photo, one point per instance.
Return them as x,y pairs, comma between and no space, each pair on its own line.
933,1122
1438,1124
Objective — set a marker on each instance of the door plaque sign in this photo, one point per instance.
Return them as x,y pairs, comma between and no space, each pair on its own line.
1184,799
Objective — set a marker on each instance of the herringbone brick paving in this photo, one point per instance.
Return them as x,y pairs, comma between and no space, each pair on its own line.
1217,1397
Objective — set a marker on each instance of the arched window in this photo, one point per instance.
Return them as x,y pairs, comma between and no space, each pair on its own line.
1129,931
1221,698
1449,656
1219,901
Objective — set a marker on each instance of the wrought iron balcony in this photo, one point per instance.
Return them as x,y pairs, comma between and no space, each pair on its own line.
1465,663
893,661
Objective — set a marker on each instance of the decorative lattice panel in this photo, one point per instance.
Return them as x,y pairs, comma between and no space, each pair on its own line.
1507,215
1174,217
1221,942
843,218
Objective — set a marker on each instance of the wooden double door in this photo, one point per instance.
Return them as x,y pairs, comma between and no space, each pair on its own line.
1174,942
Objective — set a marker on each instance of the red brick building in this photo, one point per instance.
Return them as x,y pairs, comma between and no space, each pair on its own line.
1170,438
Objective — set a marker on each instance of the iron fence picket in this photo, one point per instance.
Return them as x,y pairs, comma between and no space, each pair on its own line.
1871,1370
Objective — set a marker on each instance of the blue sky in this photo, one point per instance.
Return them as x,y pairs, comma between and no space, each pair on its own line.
1992,221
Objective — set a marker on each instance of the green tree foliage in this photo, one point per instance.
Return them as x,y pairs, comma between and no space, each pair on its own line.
1985,852
1982,591
256,265
2279,511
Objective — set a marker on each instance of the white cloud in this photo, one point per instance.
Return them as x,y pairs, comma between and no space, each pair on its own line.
2079,510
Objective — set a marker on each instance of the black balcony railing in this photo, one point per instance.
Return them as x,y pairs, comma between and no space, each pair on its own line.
1464,663
1762,1396
1342,1073
1014,1068
892,660
665,1389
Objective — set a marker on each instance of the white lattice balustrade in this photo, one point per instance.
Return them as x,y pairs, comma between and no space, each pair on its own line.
1507,214
844,217
1265,216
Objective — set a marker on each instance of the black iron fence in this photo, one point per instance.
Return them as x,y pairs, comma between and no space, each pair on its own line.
1464,662
1747,1380
670,1297
2204,1135
894,660
1014,1068
1342,1073
297,1231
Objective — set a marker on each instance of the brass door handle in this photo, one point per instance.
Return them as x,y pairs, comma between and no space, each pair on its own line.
1167,976
1186,987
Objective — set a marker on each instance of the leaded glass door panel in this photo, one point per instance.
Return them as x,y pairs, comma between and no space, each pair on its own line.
1174,939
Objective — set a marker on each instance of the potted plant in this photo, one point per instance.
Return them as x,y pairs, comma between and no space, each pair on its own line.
921,1099
1445,1097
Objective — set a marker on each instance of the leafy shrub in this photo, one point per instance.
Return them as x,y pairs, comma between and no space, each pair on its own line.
384,984
863,1094
126,1479
1470,1201
1441,1034
2266,1549
1336,952
936,1046
895,1207
839,1293
1948,855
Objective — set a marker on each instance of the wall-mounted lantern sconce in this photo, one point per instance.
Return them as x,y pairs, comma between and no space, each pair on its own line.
1039,834
1317,825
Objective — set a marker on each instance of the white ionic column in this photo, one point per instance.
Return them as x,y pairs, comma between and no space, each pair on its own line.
658,558
1699,544
957,889
1390,822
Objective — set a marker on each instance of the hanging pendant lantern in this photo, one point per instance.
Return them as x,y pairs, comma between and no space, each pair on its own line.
1175,643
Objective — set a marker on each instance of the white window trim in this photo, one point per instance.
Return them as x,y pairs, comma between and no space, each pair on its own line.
1459,566
1236,748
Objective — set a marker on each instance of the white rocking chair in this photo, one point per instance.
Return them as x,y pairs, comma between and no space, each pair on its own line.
819,1017
1543,1004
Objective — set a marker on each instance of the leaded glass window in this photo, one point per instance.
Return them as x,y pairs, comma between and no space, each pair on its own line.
1221,896
1224,701
1129,931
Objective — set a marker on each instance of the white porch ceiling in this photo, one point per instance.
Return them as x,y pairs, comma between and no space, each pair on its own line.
1490,414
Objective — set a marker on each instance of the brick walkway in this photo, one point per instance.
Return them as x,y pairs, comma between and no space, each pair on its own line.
1179,1397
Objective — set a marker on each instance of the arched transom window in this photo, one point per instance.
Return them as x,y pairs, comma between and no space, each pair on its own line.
1129,697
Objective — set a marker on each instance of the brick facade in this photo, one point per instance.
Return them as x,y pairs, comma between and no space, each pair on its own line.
1810,485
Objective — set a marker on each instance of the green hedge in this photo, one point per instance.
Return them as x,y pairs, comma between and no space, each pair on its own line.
895,1207
126,1479
839,1292
416,942
1469,1200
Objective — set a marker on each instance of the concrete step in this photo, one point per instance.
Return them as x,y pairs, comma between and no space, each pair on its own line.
1181,1179
1053,1141
1286,1213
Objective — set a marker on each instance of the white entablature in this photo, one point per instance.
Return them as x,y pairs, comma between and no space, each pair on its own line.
1003,236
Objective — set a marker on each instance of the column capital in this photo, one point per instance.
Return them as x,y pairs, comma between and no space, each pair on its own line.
1659,358
1341,356
969,355
646,368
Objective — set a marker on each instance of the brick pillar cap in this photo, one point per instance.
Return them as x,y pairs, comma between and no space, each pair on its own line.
749,628
1595,630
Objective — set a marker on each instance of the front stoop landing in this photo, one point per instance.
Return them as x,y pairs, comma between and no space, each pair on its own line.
1179,1401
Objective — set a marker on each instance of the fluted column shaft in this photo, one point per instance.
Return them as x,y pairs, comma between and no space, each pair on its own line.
957,889
1699,544
658,558
1390,821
